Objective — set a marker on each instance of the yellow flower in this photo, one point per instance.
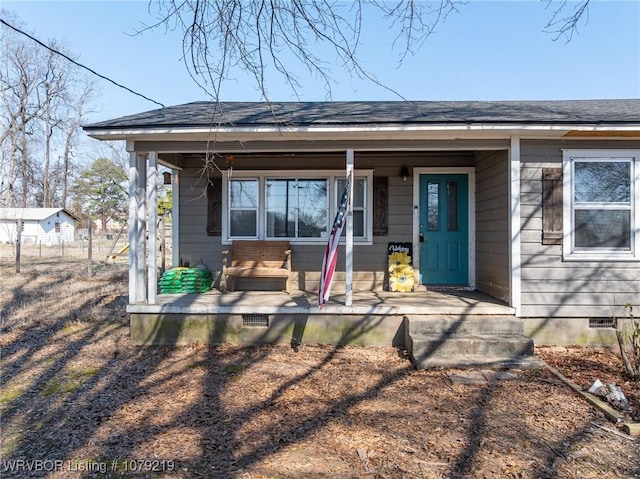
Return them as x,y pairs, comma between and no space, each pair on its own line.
397,260
401,280
401,269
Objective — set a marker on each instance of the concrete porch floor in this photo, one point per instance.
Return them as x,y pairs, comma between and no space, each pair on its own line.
422,301
257,317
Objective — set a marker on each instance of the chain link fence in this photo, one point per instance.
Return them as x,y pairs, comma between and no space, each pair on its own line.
101,246
105,247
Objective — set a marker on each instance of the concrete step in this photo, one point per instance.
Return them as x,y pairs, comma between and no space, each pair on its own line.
481,362
425,345
425,349
467,324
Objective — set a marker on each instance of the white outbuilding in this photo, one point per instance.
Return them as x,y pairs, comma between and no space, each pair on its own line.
47,226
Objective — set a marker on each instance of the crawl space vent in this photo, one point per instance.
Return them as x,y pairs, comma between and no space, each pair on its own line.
255,320
602,323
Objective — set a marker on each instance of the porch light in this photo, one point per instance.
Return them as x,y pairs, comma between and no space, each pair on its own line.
166,178
404,172
230,165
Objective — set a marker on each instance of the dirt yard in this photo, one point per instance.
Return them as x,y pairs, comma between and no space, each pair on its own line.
79,401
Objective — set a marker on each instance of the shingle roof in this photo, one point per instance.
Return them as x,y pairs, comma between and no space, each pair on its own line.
30,214
300,114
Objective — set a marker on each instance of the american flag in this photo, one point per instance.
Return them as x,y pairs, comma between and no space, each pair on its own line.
331,253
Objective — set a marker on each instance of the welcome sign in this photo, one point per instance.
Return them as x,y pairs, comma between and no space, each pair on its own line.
400,267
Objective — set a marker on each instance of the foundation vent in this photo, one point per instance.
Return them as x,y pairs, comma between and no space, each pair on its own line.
602,323
255,320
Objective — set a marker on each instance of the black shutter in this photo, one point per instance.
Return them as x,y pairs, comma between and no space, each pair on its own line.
552,206
214,207
380,206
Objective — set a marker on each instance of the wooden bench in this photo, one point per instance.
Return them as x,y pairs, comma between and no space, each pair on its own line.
257,259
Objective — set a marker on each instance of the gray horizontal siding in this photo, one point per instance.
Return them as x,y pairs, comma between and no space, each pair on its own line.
550,286
587,284
492,224
195,245
576,272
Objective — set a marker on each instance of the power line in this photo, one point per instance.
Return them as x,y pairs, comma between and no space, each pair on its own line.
79,64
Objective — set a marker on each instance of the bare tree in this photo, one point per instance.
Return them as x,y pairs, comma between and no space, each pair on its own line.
52,96
73,114
19,83
564,24
272,37
43,101
265,36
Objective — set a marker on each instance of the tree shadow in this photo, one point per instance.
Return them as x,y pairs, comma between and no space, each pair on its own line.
134,384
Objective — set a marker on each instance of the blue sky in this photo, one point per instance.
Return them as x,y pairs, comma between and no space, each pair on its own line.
490,50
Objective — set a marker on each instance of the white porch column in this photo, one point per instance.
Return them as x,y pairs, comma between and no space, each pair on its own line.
141,230
515,258
133,223
152,209
175,218
349,236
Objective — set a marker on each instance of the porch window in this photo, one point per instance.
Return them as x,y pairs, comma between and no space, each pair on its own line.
358,205
299,207
601,194
296,208
243,208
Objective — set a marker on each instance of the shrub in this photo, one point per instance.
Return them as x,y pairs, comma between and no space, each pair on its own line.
628,334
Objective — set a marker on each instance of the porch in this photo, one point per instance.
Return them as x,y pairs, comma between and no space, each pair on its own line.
475,327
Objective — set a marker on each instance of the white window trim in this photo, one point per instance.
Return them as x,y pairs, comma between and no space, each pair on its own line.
226,209
334,198
368,207
569,253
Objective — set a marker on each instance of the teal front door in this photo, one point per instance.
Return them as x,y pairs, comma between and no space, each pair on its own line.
444,229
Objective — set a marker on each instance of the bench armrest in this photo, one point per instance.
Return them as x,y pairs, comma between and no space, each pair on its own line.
225,254
288,260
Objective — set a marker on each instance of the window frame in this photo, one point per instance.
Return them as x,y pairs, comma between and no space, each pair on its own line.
366,208
331,176
227,208
296,179
570,206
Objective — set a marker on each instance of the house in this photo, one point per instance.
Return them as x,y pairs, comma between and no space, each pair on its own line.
514,211
47,226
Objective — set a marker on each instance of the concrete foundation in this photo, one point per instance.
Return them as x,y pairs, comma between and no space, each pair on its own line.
155,329
374,330
568,331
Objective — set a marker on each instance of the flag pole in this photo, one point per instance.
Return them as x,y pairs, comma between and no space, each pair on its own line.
349,234
330,258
